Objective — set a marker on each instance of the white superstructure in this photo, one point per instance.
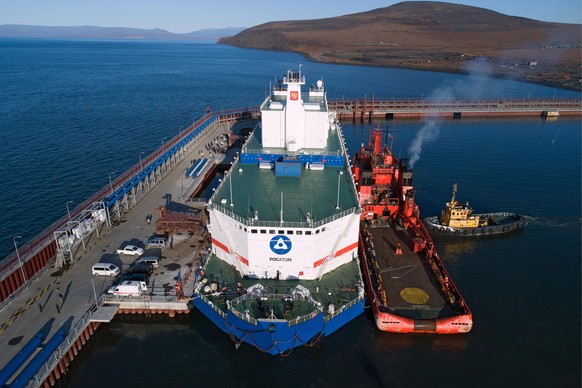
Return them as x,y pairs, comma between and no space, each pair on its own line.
293,121
292,221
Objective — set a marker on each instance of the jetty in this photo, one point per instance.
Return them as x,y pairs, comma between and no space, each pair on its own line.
382,109
52,305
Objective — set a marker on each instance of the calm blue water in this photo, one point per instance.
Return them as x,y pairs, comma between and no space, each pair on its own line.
72,112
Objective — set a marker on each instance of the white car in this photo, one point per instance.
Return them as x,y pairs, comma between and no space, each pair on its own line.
130,250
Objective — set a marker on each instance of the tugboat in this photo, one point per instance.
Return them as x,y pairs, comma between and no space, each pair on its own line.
283,268
406,281
458,220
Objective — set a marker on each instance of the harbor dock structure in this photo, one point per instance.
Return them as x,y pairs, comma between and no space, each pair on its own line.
411,109
46,321
60,257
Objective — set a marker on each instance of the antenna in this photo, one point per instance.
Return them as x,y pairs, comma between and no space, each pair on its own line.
230,184
281,208
337,207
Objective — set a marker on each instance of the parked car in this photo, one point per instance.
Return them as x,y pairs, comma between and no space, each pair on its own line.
153,260
156,242
105,269
137,277
130,250
140,268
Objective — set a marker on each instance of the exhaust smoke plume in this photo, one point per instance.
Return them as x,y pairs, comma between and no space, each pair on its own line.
429,131
473,86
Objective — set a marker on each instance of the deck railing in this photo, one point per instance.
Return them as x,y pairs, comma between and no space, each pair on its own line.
61,351
316,308
285,224
344,307
212,305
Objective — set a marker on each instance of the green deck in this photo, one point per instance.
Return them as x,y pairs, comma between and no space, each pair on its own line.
315,192
338,287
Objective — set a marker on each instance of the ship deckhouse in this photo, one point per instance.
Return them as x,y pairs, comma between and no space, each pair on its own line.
287,209
291,122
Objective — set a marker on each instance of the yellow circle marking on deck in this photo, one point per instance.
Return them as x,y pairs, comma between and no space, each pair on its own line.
414,295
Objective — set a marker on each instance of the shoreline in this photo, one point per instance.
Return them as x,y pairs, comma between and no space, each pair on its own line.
334,60
438,69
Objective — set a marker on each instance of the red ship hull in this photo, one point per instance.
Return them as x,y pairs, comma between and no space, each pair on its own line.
406,281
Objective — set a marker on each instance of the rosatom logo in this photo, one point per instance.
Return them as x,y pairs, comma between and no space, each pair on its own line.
280,245
294,96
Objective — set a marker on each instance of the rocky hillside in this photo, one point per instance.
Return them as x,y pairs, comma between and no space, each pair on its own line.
432,36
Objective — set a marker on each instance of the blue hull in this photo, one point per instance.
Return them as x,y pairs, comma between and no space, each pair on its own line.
278,336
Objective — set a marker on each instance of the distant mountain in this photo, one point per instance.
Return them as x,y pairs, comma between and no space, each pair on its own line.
213,33
432,36
94,32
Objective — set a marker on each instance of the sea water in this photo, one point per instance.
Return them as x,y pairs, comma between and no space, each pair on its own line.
74,113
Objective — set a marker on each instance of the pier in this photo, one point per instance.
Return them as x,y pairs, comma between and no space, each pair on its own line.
51,303
46,287
411,109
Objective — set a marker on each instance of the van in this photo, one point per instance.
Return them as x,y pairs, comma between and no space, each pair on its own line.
105,269
156,242
153,260
128,288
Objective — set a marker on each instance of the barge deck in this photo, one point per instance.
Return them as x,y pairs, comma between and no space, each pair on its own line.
405,278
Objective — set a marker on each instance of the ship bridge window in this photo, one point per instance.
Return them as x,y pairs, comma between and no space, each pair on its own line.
289,232
299,232
263,231
317,231
254,231
308,232
281,232
271,231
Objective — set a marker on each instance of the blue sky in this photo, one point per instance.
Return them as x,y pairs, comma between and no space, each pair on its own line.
191,15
